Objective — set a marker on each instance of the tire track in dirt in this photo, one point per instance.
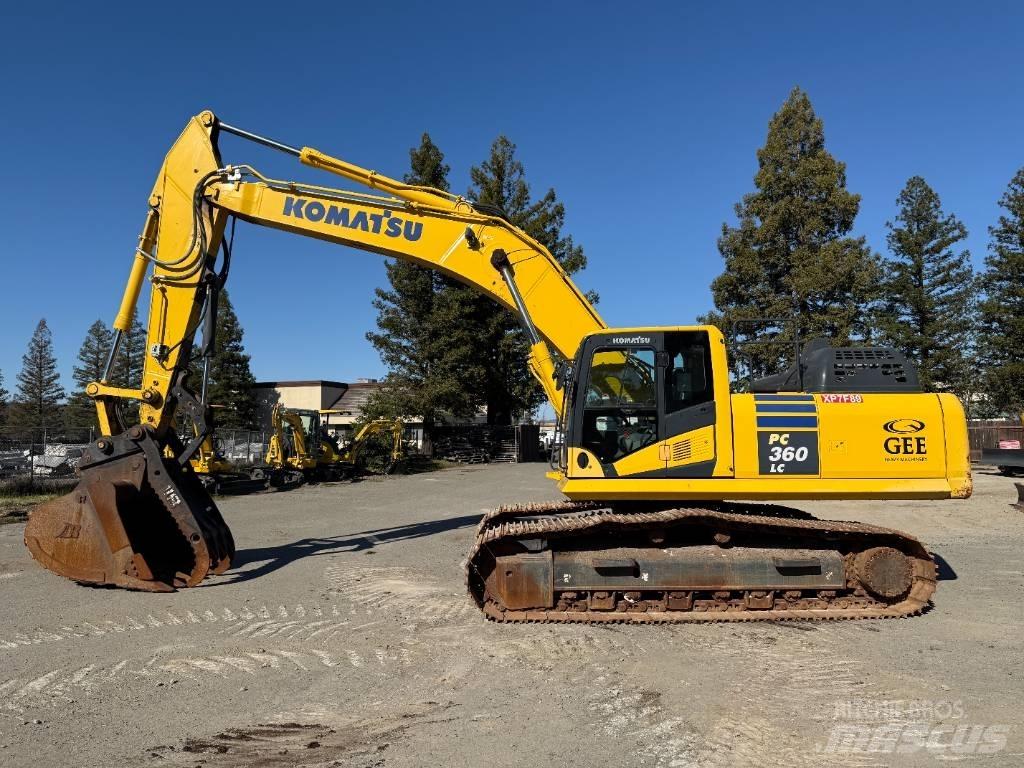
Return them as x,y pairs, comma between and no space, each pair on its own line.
786,680
234,616
399,590
621,712
58,687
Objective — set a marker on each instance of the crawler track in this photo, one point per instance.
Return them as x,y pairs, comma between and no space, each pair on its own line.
566,524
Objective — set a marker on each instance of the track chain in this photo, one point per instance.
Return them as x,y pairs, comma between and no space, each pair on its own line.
567,519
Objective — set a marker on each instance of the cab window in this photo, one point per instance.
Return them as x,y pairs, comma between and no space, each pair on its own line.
620,413
688,376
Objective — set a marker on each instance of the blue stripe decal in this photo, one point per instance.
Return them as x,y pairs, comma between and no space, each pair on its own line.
787,421
786,398
787,408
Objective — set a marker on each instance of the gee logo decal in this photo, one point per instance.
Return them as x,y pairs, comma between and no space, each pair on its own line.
903,426
905,444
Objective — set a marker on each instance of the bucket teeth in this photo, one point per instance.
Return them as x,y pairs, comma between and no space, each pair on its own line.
136,520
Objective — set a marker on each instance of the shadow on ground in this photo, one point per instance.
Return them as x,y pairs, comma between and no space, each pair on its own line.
943,570
273,558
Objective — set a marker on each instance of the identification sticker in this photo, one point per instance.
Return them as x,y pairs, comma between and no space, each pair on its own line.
1009,445
842,398
787,453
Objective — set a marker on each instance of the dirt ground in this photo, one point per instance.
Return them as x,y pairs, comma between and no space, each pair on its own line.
343,637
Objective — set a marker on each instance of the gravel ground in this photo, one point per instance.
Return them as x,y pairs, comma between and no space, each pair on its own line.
343,637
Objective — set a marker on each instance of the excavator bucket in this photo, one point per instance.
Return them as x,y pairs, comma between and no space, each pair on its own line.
135,520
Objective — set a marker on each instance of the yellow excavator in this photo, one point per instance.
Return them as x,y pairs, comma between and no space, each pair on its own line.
288,456
331,454
298,442
662,464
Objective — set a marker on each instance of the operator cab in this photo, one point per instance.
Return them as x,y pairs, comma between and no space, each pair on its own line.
634,388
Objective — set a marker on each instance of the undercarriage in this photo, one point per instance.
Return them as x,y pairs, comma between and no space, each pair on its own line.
586,562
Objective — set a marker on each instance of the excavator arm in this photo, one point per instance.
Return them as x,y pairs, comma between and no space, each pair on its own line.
395,426
139,517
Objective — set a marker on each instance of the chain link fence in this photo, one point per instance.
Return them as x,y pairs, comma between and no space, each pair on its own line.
41,458
241,446
47,457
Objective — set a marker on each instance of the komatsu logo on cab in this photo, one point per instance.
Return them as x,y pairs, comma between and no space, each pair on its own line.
631,340
338,215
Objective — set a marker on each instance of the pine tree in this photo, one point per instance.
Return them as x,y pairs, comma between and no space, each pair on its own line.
3,401
928,291
131,355
37,403
420,339
790,256
231,381
500,182
92,359
1001,337
128,364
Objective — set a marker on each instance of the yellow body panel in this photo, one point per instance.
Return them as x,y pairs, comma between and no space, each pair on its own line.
799,446
692,447
713,489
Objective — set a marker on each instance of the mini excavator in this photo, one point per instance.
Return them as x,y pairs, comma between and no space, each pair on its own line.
665,470
288,457
350,456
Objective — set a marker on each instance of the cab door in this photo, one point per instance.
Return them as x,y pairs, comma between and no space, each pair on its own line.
688,413
643,407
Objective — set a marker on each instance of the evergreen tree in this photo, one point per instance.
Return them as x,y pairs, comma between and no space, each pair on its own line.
37,404
428,353
1001,339
92,359
3,401
127,371
231,382
448,347
508,387
790,255
928,294
131,355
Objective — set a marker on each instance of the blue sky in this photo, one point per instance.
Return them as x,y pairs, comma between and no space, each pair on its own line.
645,117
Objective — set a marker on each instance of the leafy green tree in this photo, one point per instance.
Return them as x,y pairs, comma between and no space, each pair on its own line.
500,181
1001,337
790,255
429,354
231,381
928,291
80,412
37,403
